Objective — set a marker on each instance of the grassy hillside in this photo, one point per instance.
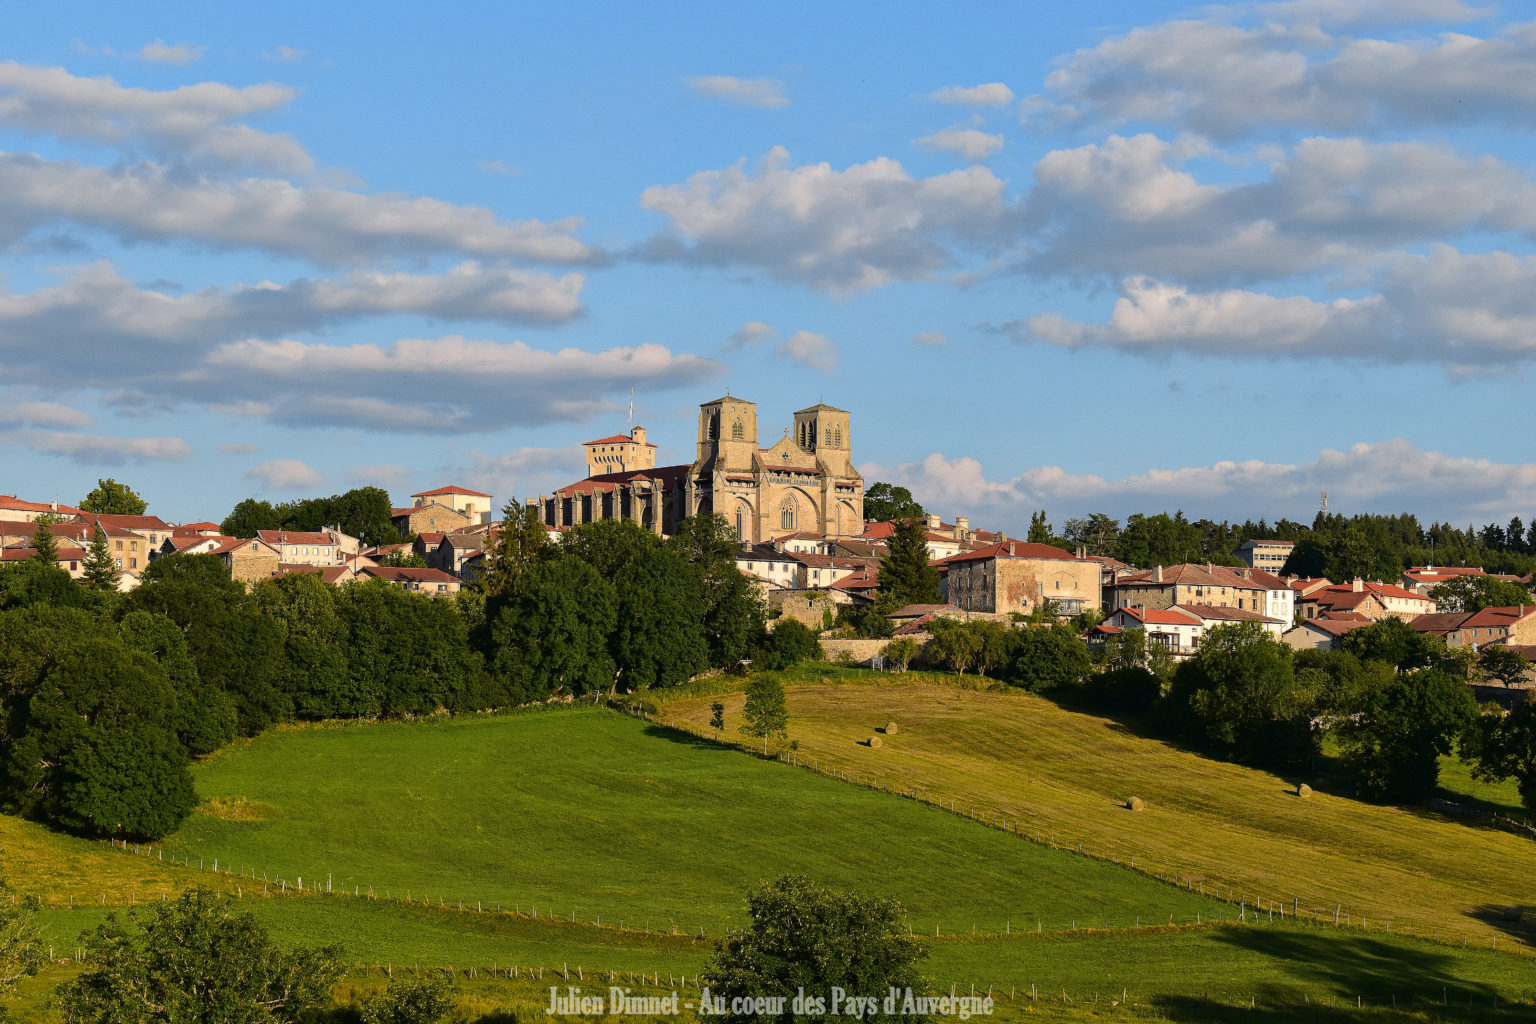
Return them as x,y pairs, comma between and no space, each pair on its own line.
589,813
1068,774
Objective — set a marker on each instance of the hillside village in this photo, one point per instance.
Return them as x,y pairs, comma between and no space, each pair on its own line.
796,510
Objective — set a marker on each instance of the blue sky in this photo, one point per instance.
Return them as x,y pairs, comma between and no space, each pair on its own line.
1117,257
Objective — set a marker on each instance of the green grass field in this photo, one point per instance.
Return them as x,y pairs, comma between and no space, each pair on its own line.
611,819
1067,773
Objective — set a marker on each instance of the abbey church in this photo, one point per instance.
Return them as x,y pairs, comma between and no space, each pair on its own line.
804,483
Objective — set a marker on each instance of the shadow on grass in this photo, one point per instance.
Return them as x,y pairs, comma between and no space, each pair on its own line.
1196,1010
1496,915
683,737
1361,966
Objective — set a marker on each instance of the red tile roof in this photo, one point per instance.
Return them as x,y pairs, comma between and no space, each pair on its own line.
294,537
1161,616
617,439
665,476
396,574
1011,549
22,554
451,490
1499,616
126,522
189,528
1335,626
11,503
1215,611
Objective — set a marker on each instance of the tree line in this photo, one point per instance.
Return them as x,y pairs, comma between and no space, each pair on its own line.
104,697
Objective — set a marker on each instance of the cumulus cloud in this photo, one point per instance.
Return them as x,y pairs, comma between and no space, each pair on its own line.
41,414
932,339
1386,476
149,203
967,142
1227,80
97,449
284,475
843,231
197,123
158,52
1127,205
991,94
98,327
747,333
816,351
1444,307
430,385
525,473
747,92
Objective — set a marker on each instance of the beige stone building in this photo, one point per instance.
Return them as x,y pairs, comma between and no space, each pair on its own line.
1269,555
1188,584
14,508
249,561
804,483
474,504
1016,576
429,517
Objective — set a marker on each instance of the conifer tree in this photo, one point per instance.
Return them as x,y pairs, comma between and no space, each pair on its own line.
100,570
905,575
520,543
45,548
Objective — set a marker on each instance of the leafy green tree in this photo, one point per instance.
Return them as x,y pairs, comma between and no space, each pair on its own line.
96,752
409,1002
1238,695
22,948
317,676
658,638
195,960
1499,662
953,646
1394,642
1124,650
403,558
205,715
717,717
1394,744
1047,658
883,501
409,653
249,517
1338,682
552,634
790,643
900,653
45,547
1098,533
1474,593
805,936
100,569
766,712
33,582
109,497
732,612
906,577
520,544
1039,530
1503,746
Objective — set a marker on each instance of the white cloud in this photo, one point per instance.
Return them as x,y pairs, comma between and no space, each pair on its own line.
42,414
525,473
816,351
844,231
284,53
147,202
197,123
1388,476
96,449
430,385
1449,308
932,339
747,92
496,167
98,326
747,333
968,142
238,448
1126,206
158,52
1226,80
991,94
284,475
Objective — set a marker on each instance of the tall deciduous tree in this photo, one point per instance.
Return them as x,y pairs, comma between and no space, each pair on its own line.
906,577
1504,746
250,516
766,712
109,497
1472,593
22,948
804,936
100,569
520,543
552,634
883,501
1394,743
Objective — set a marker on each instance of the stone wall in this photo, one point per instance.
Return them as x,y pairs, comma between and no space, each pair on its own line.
862,649
806,607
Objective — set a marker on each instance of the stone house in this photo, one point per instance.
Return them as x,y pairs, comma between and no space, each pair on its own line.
429,517
1017,576
432,582
1188,584
476,505
249,561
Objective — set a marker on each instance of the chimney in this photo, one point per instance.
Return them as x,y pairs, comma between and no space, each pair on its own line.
1157,574
1358,585
1210,568
933,521
963,524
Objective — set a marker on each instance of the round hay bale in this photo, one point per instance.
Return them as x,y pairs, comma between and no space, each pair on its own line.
825,681
1303,790
876,741
891,728
1134,804
1514,913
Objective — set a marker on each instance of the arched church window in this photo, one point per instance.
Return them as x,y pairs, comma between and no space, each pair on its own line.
738,431
837,437
787,515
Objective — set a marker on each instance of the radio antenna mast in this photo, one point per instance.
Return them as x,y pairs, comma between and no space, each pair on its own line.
1325,503
631,408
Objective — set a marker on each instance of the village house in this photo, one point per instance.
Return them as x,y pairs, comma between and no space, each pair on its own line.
151,529
432,582
70,559
1513,625
428,517
326,546
1322,634
13,508
249,561
1017,576
1189,584
1269,555
474,505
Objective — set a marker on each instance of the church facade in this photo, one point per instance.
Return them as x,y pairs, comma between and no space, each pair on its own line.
803,483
